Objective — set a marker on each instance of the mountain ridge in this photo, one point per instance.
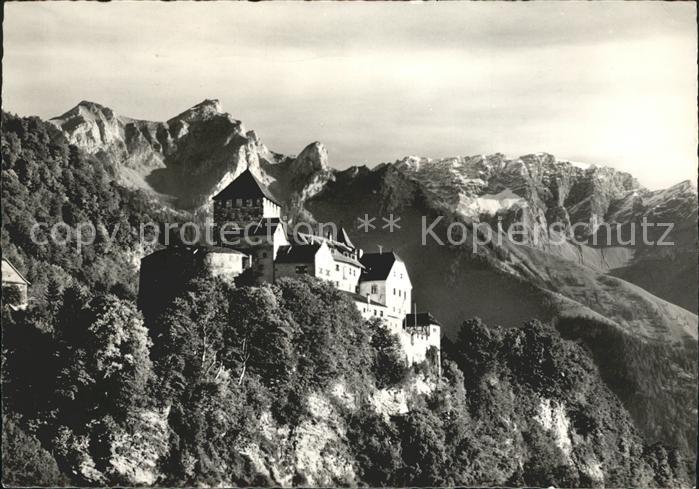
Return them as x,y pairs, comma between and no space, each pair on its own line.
566,284
195,154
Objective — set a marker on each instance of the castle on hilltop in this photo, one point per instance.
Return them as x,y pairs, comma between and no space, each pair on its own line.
378,283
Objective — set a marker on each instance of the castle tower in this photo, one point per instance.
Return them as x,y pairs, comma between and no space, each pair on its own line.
247,217
244,202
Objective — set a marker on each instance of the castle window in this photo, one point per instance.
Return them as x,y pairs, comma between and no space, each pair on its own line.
374,289
228,204
381,313
394,291
248,202
301,269
337,268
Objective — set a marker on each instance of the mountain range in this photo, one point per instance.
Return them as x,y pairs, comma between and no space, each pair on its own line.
581,274
189,158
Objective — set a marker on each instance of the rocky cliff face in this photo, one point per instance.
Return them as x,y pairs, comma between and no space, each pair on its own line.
190,157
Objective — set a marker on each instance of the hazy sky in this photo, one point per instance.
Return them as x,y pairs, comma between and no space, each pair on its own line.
607,83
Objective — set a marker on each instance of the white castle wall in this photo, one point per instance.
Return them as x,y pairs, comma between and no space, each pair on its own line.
395,291
416,341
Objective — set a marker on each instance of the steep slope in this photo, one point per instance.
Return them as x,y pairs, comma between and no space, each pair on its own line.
668,271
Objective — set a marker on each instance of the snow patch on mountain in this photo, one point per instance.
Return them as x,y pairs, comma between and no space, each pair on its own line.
492,203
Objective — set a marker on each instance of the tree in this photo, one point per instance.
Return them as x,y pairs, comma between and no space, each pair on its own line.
262,337
546,465
24,461
189,337
11,295
376,447
332,339
118,355
422,440
476,349
28,384
53,297
389,366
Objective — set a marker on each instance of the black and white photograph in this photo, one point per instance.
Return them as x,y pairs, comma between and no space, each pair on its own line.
349,244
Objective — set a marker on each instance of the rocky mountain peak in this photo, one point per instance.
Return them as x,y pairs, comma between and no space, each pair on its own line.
253,137
90,126
313,159
202,111
84,111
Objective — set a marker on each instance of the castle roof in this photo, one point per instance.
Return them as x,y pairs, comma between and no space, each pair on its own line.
246,186
377,266
297,253
11,275
420,319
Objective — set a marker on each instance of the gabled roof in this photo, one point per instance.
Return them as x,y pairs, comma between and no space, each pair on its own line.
297,253
377,266
11,275
246,186
423,319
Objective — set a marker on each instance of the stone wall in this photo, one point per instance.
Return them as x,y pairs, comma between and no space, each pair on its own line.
242,212
416,341
165,273
226,265
370,310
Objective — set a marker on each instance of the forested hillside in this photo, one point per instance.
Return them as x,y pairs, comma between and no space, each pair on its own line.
286,384
47,181
282,384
